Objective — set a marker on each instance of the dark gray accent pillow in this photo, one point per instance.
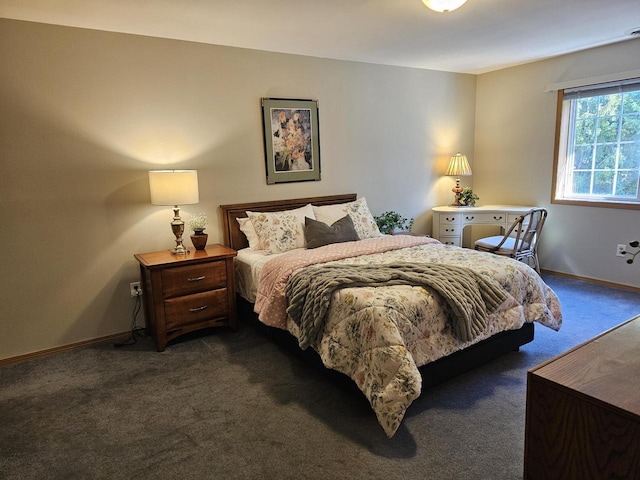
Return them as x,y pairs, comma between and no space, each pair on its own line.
319,233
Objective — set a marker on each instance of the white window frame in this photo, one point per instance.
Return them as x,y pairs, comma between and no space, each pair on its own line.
565,131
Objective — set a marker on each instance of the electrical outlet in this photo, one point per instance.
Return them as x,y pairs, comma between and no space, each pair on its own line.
621,251
134,289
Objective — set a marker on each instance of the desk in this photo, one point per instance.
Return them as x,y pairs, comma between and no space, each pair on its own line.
449,222
583,410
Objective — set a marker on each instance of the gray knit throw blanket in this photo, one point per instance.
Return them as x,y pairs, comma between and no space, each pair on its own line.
469,295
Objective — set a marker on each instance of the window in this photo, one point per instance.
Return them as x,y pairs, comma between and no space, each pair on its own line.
598,145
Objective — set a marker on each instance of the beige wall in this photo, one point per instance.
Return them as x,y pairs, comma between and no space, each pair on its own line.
86,114
514,142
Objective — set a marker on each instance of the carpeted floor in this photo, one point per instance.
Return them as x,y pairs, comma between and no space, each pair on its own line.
235,406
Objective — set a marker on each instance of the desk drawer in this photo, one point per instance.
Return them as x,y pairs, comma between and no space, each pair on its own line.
512,218
479,218
192,279
450,230
449,219
451,241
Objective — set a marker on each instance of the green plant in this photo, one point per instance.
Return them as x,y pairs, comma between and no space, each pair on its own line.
198,222
389,221
468,198
634,244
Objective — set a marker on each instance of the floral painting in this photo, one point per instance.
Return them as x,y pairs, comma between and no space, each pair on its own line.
292,146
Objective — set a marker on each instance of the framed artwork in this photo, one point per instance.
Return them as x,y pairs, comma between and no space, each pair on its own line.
291,140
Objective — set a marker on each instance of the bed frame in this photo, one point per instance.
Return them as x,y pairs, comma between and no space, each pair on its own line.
432,373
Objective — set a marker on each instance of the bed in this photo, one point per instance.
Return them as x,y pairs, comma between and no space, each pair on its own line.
393,313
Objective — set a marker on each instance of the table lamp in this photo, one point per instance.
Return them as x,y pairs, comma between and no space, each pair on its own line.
174,188
458,166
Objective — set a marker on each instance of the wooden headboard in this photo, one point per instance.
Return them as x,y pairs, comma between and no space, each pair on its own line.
235,239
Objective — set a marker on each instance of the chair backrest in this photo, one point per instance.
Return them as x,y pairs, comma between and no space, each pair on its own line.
528,228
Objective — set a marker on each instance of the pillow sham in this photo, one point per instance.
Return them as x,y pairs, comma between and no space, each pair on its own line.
359,212
319,233
280,231
247,227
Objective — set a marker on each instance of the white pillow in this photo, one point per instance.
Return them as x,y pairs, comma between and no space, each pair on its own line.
246,227
358,211
280,231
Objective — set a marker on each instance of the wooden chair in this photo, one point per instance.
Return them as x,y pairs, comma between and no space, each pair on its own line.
520,241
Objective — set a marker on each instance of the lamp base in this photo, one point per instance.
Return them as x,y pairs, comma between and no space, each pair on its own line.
177,227
457,190
179,250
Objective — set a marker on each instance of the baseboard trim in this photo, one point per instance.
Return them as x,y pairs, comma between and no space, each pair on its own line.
621,286
51,351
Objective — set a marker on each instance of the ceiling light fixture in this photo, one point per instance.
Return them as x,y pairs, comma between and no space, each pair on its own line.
444,5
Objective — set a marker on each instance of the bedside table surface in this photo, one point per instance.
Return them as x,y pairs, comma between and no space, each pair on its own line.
165,257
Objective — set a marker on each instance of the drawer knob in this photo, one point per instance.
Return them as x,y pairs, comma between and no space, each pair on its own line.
198,309
497,217
470,218
196,279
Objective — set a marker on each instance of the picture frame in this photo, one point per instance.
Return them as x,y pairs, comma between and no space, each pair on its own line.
291,140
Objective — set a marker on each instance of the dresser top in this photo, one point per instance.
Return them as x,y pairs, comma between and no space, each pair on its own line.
484,209
164,257
606,368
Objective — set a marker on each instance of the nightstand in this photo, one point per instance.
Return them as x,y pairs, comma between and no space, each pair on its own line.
183,293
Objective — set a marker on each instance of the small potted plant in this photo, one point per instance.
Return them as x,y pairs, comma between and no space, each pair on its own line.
197,223
468,198
390,222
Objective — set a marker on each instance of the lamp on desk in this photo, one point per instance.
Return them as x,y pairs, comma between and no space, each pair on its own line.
174,188
458,167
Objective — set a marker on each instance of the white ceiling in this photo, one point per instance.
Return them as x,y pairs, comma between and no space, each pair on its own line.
481,36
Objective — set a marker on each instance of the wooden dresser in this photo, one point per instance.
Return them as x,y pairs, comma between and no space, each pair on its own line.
183,293
583,410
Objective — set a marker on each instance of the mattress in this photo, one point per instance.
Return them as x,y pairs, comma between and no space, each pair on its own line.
248,265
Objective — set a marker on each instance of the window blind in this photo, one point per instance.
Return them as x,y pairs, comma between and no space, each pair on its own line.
620,86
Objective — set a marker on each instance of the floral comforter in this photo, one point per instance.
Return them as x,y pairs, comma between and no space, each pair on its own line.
379,336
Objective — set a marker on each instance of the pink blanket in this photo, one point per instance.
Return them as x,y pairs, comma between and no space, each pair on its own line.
271,302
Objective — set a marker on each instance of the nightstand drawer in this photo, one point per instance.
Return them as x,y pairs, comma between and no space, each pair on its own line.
194,308
192,279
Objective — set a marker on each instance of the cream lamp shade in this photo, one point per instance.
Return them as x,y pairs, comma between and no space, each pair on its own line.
444,5
174,187
458,167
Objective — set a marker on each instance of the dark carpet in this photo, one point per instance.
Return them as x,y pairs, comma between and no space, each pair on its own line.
231,405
